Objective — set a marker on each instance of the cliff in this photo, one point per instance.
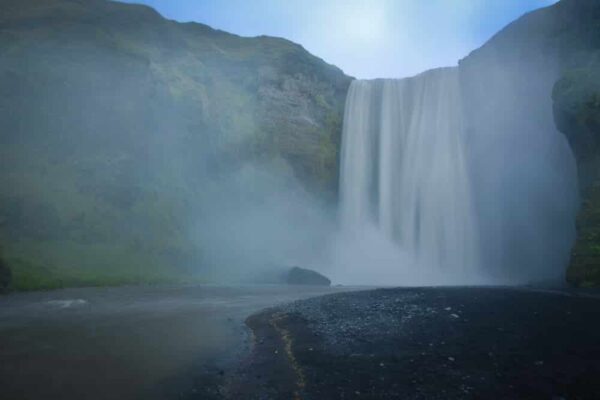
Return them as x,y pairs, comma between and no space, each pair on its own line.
577,113
117,126
115,122
520,85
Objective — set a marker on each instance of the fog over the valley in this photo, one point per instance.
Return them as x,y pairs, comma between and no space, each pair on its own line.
256,223
222,161
445,183
442,190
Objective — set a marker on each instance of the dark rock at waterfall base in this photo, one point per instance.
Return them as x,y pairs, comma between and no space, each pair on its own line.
426,343
302,276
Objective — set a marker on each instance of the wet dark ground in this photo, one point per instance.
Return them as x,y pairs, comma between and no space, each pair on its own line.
192,343
129,342
431,343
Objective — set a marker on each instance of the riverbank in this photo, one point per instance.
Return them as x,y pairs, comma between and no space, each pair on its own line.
427,343
163,342
193,342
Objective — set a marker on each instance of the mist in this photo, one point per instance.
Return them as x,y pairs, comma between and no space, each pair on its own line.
319,199
257,222
457,176
230,165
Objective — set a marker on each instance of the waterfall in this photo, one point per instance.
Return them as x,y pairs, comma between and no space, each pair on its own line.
405,179
454,176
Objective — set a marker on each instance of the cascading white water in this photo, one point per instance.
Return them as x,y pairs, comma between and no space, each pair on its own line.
404,180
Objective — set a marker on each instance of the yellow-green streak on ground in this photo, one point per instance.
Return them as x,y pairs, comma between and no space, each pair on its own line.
276,321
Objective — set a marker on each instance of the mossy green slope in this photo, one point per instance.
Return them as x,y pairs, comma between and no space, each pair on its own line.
576,106
577,113
113,122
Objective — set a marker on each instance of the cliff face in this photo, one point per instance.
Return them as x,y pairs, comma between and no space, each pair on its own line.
577,112
576,106
114,122
522,83
524,177
116,125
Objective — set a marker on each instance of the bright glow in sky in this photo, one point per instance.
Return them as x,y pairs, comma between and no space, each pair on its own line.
365,38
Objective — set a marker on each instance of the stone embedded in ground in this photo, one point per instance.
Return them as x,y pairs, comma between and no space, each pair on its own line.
301,276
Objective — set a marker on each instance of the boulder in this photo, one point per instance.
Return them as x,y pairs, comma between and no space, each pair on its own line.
302,276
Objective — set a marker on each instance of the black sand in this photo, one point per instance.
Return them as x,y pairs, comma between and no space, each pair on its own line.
433,343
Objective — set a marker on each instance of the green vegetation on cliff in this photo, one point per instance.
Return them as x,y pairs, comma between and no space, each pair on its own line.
577,113
576,106
114,123
584,269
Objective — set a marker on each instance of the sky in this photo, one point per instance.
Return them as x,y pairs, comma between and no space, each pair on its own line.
365,38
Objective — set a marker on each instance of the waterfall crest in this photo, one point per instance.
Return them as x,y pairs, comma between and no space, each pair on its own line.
404,175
